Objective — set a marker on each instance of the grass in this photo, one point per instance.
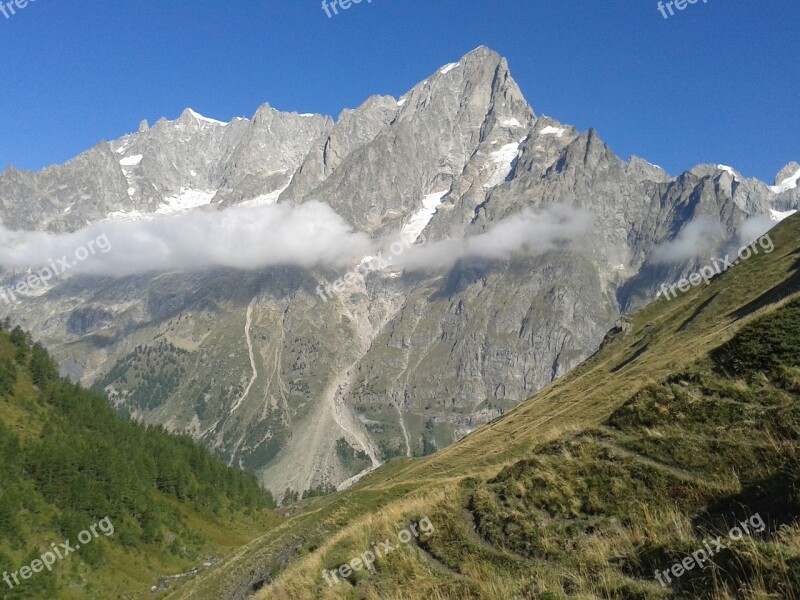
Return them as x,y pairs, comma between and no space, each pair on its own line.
667,434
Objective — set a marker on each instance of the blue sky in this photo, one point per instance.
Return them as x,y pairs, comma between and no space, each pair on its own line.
716,82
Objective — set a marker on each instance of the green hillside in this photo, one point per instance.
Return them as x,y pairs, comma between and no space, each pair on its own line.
68,461
681,427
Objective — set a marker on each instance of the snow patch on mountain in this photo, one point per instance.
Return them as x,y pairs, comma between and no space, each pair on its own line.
184,201
501,160
550,130
131,161
447,68
728,170
420,219
787,184
203,119
778,215
127,165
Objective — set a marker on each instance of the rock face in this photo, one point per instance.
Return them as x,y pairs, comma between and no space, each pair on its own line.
310,392
172,166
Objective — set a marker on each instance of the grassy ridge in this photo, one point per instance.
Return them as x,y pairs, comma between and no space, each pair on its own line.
668,433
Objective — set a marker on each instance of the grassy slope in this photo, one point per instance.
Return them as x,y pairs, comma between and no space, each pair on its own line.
582,491
36,511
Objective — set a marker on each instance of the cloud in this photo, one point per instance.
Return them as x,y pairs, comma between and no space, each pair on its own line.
754,228
246,238
308,235
697,238
528,231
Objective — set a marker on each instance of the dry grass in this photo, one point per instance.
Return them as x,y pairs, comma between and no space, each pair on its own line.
596,565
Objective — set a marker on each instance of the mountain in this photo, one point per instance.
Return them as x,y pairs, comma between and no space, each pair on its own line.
672,449
165,169
159,504
521,243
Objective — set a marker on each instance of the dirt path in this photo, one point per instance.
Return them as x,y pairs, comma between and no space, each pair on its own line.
675,471
435,564
472,534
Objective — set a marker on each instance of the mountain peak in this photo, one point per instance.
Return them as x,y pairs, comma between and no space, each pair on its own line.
190,115
482,52
786,172
787,178
263,111
479,58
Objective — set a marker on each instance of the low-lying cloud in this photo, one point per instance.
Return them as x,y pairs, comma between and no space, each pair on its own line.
698,237
245,238
308,235
551,228
753,228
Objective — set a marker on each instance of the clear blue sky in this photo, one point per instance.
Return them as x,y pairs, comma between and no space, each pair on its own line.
717,82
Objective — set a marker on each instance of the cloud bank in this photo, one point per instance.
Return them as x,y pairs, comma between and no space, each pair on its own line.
753,228
308,235
245,238
697,238
551,228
